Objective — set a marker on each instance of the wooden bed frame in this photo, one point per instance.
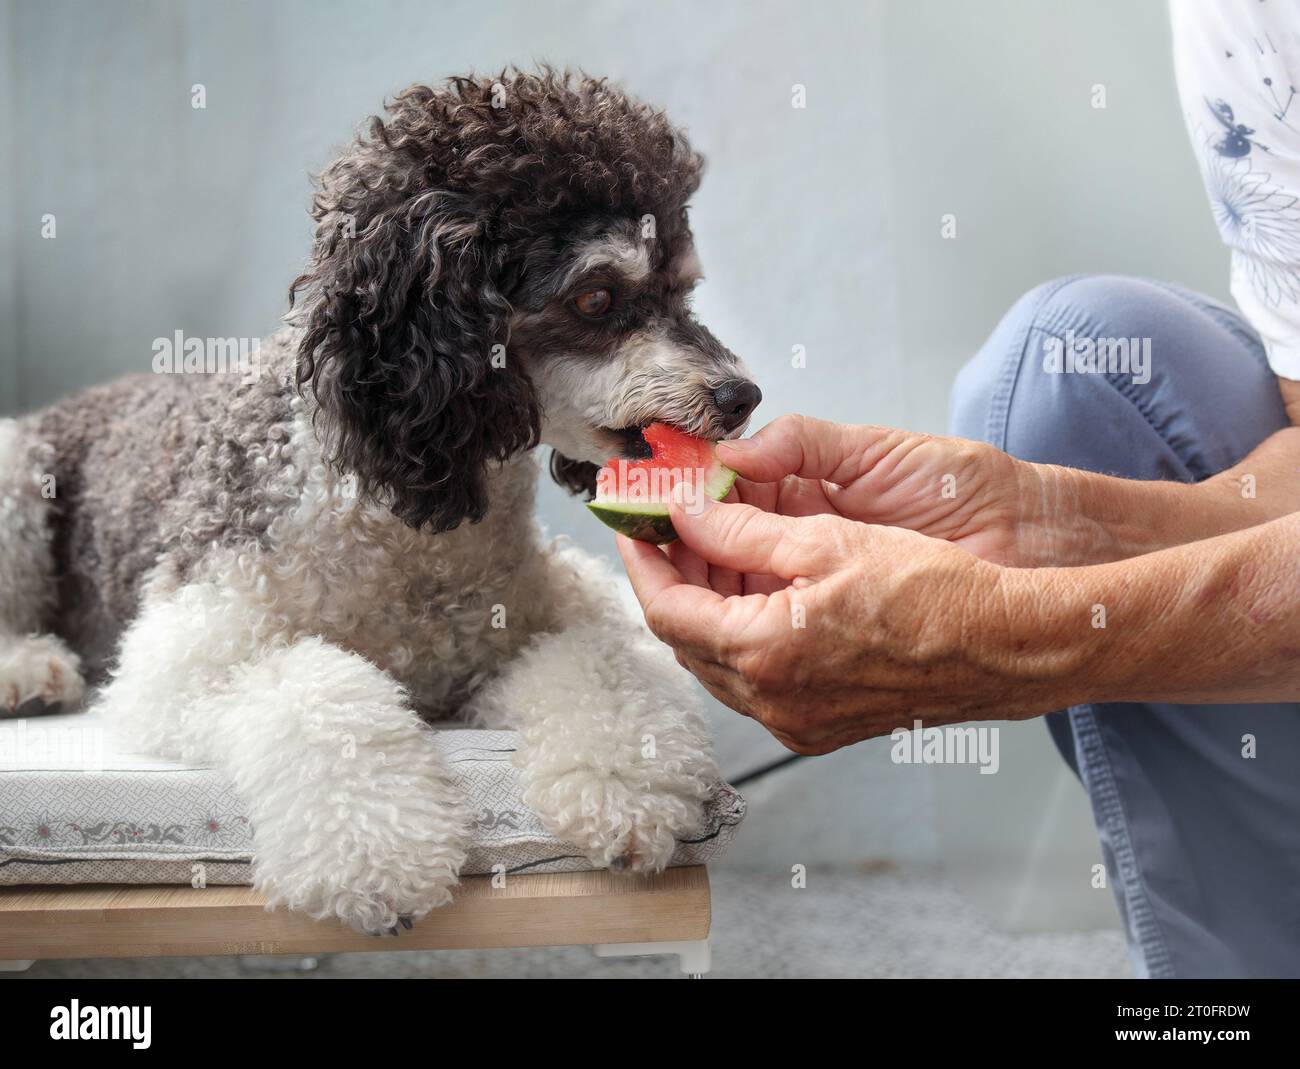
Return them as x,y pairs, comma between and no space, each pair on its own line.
617,915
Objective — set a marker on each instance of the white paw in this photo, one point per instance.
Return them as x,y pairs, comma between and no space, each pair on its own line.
38,667
617,824
367,877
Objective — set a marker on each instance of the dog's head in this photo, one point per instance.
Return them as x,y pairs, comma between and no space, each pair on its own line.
498,262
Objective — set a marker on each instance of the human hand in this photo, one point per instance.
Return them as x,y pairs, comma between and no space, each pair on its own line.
964,492
828,631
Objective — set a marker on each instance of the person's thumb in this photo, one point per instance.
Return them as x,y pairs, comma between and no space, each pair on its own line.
750,540
802,446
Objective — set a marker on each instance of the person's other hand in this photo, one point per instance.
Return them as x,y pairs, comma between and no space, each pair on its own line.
827,630
965,492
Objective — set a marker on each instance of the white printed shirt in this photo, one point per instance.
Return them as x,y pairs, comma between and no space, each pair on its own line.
1238,67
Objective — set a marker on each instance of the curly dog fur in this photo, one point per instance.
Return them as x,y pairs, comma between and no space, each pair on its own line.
292,574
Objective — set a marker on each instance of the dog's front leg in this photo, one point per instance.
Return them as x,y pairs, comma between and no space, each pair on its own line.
353,810
614,753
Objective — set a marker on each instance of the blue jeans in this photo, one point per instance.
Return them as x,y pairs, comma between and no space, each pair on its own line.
1201,843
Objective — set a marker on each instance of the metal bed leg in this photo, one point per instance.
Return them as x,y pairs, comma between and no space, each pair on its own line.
280,963
693,955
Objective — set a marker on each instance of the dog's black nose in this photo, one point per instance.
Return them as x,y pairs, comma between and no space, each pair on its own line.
736,399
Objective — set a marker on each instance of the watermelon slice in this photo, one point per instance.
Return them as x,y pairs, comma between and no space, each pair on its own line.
632,495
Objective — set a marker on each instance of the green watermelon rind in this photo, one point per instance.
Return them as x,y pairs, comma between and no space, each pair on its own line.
647,521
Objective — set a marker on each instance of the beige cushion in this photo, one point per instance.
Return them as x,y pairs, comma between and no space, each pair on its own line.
77,808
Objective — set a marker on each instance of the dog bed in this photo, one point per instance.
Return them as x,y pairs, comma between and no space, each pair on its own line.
76,808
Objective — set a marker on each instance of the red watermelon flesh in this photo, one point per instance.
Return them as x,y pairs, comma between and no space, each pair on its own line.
632,495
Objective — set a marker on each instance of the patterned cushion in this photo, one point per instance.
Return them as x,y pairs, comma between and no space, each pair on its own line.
76,808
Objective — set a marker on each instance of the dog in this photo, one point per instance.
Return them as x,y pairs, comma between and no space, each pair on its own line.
292,574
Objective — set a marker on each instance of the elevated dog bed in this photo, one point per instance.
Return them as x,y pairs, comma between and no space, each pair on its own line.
75,808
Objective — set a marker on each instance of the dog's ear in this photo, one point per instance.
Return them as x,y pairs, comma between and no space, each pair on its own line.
576,476
402,344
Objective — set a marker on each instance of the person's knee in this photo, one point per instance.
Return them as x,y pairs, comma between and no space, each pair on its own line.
986,383
1121,375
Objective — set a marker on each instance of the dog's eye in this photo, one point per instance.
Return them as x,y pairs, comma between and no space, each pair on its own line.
594,303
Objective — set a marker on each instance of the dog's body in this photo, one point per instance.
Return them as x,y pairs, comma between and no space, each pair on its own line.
279,571
169,484
217,480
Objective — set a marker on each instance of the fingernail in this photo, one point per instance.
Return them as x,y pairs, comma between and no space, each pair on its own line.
740,445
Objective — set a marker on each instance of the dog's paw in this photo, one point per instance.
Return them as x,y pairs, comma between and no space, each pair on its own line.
377,853
382,892
38,668
617,824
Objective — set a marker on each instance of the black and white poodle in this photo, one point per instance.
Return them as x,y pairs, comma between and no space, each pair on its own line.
291,573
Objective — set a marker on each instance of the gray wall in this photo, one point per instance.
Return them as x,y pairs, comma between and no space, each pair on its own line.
818,227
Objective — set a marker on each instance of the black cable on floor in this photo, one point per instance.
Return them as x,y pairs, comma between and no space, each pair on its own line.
759,773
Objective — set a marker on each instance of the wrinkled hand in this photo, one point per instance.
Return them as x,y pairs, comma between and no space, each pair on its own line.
967,493
828,630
